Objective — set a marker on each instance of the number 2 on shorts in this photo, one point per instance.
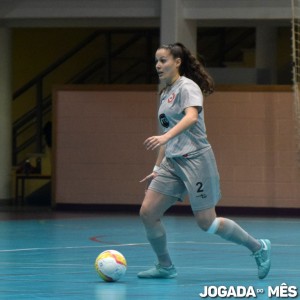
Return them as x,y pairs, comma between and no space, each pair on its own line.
200,188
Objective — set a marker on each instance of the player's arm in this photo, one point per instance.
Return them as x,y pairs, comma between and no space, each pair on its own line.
190,118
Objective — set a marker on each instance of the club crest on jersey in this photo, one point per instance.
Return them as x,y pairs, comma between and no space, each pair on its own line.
164,120
171,98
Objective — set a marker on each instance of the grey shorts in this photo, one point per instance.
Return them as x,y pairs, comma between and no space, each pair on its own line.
196,176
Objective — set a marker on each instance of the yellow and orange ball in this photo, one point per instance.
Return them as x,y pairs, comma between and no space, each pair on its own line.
111,265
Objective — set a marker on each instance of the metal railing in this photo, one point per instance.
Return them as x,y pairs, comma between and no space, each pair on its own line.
33,120
28,129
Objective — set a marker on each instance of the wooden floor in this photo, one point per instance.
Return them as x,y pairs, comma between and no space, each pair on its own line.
51,256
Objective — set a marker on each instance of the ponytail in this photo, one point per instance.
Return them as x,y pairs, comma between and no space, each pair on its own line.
191,67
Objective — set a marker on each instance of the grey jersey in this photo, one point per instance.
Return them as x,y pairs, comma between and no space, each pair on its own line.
173,101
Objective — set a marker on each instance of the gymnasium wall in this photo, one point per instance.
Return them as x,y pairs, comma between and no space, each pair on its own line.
99,157
98,150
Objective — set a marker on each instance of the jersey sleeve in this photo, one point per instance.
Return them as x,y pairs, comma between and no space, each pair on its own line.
191,95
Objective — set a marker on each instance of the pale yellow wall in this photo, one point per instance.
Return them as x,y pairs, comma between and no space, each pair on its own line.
101,159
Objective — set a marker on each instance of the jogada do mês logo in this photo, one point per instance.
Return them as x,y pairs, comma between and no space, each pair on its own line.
281,291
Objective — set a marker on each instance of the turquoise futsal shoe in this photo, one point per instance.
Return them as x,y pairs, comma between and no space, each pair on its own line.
159,272
263,258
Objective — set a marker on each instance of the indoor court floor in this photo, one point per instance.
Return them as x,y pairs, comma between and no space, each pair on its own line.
52,257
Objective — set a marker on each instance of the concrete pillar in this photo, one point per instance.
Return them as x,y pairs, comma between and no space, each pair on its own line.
173,26
266,54
5,114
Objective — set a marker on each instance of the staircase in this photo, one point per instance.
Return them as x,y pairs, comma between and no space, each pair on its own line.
123,57
114,57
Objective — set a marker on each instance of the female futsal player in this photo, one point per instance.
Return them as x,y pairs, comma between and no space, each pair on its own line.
186,163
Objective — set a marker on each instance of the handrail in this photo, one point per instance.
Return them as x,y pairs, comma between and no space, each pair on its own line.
135,64
31,113
28,142
22,120
234,43
56,64
99,63
35,115
240,38
65,57
83,74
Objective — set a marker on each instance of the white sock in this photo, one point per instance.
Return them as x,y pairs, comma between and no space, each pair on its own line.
231,231
159,245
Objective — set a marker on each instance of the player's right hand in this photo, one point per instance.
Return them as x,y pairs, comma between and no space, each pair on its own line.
148,180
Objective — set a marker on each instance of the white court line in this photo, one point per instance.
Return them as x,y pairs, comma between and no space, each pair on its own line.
54,266
126,245
269,220
72,247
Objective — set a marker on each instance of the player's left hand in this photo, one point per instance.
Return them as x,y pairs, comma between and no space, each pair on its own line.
154,142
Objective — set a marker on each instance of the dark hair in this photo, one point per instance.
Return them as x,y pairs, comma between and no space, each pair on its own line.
191,67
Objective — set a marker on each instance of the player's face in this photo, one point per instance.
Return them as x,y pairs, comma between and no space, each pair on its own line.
166,66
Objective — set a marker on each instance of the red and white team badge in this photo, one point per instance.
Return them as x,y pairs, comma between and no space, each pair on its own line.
171,98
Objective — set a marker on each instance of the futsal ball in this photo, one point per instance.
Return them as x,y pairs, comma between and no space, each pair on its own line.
111,265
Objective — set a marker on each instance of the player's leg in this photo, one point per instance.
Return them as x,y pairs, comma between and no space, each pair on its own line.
225,228
164,190
202,181
231,231
153,208
204,190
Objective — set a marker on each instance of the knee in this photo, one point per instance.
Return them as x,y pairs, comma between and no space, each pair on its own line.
205,224
145,214
210,225
205,218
